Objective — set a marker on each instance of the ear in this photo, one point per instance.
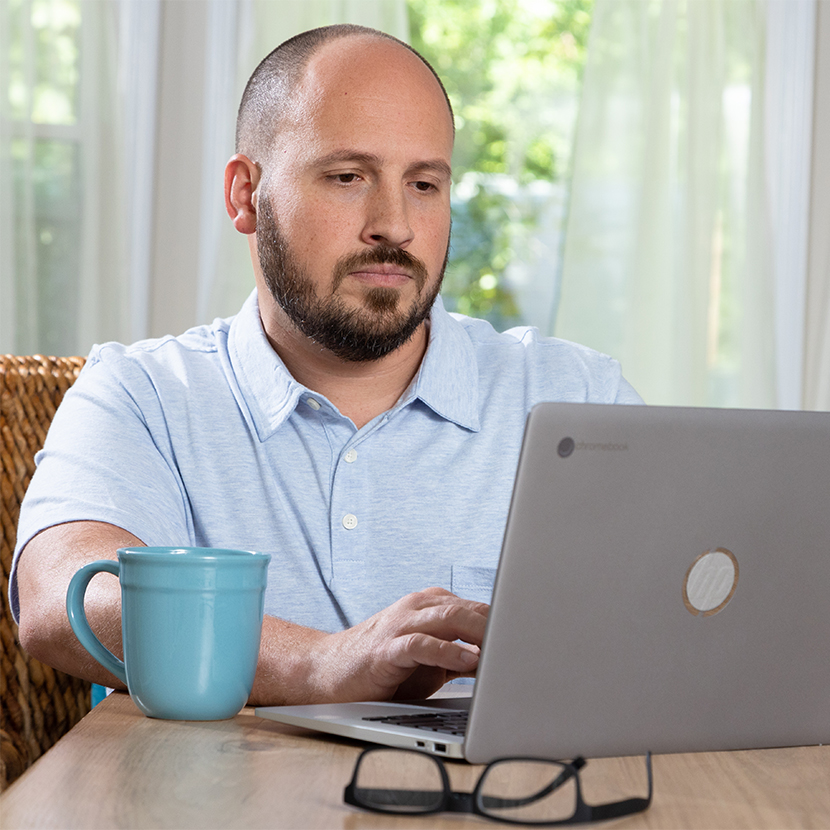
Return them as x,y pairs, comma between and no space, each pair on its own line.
241,181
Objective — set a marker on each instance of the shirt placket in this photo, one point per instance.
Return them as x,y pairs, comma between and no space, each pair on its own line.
350,518
347,515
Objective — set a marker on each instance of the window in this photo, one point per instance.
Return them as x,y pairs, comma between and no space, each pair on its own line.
647,195
42,119
512,69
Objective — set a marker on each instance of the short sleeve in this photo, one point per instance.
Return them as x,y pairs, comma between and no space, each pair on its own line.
627,394
107,458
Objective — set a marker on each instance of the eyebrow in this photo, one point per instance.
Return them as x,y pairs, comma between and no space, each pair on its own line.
370,159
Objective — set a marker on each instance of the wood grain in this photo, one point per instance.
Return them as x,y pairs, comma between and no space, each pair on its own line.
117,769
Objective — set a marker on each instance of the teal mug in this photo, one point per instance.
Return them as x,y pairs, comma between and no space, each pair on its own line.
191,622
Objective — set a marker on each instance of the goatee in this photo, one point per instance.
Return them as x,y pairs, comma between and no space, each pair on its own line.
362,334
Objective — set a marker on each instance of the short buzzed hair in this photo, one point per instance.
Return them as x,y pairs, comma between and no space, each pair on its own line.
269,91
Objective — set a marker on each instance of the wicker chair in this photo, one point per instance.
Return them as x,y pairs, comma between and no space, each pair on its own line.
37,703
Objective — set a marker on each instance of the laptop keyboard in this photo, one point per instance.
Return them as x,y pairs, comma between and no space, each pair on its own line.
449,723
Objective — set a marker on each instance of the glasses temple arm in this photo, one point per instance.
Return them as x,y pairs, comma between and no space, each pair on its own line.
602,812
569,770
382,796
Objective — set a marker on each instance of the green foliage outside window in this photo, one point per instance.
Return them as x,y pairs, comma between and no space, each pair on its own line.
512,69
43,60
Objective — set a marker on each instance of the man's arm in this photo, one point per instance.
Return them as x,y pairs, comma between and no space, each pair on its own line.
406,650
46,566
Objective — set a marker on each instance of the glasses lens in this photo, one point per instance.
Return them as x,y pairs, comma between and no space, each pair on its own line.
528,791
609,780
399,781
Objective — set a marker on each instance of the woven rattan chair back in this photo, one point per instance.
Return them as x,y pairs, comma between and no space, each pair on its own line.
37,703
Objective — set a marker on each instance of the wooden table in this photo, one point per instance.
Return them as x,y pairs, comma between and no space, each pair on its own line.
118,768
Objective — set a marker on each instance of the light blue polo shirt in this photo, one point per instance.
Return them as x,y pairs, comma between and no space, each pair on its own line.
206,439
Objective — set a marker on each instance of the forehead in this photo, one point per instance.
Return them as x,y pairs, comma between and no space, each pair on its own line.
372,96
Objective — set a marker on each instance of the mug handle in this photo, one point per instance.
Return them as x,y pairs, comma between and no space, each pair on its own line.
77,616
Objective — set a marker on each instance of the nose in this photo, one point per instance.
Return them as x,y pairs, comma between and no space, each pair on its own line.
387,218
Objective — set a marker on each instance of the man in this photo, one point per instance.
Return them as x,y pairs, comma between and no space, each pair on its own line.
343,420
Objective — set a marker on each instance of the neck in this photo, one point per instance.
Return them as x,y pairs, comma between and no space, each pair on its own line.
361,391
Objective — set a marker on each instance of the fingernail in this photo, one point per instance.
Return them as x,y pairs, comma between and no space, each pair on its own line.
469,657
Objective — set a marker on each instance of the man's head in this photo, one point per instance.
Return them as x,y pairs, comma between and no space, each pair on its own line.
347,135
268,96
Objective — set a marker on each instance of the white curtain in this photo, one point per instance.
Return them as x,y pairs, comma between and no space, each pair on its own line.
817,335
62,231
207,50
685,252
147,248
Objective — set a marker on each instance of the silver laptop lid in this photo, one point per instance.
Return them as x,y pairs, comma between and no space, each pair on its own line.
664,585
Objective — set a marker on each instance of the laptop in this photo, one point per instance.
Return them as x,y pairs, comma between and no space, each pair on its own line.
664,585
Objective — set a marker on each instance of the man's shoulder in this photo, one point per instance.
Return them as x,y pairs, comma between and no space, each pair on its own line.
158,367
198,341
526,343
538,367
199,345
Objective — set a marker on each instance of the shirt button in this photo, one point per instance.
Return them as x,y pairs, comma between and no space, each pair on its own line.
350,521
350,456
315,405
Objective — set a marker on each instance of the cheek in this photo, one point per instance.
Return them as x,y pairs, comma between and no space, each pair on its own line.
318,226
319,241
310,233
437,239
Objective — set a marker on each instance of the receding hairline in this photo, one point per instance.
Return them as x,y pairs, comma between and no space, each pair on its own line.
268,92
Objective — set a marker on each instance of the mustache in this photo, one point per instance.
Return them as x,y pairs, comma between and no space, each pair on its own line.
381,255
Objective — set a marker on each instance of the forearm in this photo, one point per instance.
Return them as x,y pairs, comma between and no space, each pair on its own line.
288,671
46,566
411,648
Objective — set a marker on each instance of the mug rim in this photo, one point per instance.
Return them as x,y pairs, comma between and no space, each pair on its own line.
181,553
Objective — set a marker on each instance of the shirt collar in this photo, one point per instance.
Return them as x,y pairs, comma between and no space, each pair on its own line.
269,390
447,381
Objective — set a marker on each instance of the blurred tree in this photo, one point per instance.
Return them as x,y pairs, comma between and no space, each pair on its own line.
512,69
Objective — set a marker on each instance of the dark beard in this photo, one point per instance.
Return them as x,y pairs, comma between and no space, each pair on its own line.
357,335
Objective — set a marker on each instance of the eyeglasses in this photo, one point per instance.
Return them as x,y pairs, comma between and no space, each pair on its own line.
512,790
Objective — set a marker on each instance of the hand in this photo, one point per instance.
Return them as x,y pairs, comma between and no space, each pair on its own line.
408,650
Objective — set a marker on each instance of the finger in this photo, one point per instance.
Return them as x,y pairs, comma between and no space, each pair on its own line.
440,596
420,649
449,622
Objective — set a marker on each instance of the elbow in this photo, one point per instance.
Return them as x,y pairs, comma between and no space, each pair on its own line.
42,621
30,642
36,635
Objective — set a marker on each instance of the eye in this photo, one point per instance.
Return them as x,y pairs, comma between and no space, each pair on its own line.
345,178
424,187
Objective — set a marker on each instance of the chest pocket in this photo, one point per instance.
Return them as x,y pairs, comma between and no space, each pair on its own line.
473,582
